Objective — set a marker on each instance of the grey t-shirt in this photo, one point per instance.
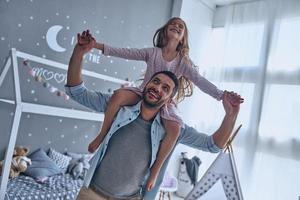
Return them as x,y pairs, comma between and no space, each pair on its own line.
126,161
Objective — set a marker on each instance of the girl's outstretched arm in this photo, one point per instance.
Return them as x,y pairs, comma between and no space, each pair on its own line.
126,53
191,72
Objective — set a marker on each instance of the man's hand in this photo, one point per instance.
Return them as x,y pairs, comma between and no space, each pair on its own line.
234,98
222,135
85,42
231,103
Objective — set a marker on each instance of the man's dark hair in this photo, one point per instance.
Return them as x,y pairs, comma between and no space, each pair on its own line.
172,76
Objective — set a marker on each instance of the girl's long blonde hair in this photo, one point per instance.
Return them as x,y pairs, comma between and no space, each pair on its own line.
160,40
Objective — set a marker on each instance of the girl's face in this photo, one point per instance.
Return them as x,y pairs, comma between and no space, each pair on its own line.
176,29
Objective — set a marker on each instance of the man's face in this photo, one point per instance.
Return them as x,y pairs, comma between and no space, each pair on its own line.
158,91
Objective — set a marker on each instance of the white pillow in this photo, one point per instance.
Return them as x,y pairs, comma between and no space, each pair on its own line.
60,159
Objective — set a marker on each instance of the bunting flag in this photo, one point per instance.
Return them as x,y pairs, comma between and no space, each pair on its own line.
222,169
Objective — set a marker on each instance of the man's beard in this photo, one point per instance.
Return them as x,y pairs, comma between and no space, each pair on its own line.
150,104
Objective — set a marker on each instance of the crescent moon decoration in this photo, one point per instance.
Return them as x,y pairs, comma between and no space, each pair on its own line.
51,38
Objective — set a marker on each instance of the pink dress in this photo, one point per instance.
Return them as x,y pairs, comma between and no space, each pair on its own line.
155,63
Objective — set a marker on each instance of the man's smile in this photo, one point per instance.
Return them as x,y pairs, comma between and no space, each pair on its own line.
153,94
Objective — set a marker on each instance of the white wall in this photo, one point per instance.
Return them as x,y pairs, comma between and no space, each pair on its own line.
198,16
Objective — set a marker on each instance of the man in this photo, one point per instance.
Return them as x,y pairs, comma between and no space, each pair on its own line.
120,168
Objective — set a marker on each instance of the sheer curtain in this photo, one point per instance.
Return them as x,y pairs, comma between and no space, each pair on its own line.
254,49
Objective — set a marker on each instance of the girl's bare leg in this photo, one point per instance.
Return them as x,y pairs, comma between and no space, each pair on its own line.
166,146
120,98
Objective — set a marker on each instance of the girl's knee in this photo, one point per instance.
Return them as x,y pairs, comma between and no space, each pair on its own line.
124,97
118,95
171,125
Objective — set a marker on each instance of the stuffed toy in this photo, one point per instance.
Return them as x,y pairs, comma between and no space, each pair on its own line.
78,167
19,162
21,151
185,184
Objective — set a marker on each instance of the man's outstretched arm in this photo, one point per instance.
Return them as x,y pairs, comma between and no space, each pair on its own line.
85,42
75,88
214,143
222,135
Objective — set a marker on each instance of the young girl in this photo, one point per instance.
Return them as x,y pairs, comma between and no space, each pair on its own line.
171,52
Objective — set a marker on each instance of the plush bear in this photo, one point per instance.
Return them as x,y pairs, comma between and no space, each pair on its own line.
21,151
19,161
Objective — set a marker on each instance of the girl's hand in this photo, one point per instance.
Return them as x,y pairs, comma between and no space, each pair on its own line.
93,146
151,182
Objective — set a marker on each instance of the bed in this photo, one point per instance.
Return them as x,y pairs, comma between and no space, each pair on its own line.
57,187
52,176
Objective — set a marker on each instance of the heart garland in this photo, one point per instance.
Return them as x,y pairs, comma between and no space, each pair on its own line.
44,77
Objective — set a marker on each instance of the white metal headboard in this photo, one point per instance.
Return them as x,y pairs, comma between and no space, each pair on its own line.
38,108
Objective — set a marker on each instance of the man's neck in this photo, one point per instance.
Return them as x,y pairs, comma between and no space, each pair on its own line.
148,114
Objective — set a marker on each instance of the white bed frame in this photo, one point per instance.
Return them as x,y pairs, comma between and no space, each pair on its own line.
21,107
